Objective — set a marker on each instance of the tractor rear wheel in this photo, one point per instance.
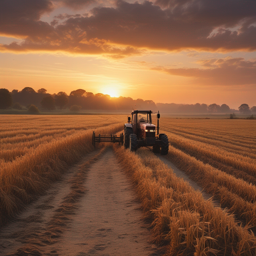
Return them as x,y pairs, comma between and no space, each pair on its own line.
164,144
127,132
133,142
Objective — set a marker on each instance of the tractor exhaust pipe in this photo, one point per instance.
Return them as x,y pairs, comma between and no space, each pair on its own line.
158,117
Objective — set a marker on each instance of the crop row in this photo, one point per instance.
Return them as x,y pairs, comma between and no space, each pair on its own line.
180,217
212,138
232,131
237,161
28,176
32,140
236,194
16,124
241,149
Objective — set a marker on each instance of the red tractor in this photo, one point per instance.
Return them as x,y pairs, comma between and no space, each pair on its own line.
140,132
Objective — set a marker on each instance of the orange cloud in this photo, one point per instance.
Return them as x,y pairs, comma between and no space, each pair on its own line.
228,71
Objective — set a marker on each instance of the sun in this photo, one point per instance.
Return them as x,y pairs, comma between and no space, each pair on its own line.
112,92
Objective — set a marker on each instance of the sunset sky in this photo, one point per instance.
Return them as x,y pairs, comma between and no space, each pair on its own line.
170,51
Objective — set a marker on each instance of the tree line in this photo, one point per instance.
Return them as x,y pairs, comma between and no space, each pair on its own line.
79,99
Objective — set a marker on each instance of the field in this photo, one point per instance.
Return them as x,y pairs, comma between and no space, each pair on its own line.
218,154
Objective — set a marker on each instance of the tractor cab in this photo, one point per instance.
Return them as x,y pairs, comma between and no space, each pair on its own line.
142,122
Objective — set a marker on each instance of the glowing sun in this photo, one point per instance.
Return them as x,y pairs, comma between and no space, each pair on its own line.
112,92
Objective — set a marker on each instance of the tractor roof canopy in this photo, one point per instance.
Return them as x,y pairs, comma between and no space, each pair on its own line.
141,111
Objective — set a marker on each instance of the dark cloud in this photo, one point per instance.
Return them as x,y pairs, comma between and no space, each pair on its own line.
215,12
129,28
76,4
228,71
21,17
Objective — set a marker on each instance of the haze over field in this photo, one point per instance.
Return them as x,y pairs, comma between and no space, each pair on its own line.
168,51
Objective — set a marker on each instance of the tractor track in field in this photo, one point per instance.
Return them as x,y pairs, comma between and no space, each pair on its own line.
192,183
92,210
181,174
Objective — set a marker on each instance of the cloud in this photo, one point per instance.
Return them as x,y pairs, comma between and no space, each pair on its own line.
227,71
75,44
211,12
130,28
76,4
21,18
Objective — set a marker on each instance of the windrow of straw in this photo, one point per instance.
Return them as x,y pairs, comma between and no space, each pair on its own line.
181,218
226,144
236,194
31,174
233,132
237,186
237,161
240,174
21,137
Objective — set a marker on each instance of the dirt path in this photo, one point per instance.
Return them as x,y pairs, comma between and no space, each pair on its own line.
108,221
91,211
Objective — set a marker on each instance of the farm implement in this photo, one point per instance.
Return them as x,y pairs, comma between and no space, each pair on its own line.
107,138
138,132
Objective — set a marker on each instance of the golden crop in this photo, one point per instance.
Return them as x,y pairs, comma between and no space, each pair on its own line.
214,153
219,155
37,150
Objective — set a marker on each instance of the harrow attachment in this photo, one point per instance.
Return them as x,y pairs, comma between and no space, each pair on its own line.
107,138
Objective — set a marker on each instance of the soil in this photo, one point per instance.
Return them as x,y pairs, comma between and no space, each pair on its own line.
93,210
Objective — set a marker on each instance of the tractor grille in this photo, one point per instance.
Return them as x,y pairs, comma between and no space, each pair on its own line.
150,141
150,134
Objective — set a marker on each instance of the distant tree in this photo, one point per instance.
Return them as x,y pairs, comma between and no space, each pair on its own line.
17,105
250,117
61,99
75,108
224,108
28,90
244,109
233,116
77,97
33,109
78,93
204,108
197,108
89,94
5,99
253,109
214,108
48,102
42,91
100,95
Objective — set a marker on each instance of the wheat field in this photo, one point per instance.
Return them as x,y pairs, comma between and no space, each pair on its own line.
219,155
36,150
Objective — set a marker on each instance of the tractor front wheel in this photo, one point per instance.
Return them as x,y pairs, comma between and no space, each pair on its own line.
133,142
164,144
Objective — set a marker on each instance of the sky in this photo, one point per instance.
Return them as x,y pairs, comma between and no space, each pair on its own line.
168,51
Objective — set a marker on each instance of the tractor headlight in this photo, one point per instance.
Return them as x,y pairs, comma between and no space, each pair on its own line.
146,130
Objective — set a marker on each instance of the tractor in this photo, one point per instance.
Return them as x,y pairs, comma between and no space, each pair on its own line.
140,132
